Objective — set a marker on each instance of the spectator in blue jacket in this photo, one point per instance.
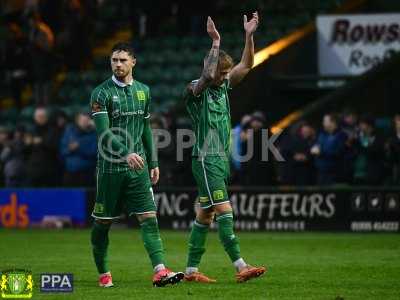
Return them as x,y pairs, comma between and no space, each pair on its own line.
329,151
78,151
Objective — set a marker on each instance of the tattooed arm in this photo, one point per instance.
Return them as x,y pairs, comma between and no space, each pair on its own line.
247,61
211,62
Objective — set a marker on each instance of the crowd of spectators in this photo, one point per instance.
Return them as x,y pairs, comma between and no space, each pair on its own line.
53,152
348,149
345,149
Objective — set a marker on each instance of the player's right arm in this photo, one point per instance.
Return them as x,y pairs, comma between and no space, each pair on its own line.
106,137
210,63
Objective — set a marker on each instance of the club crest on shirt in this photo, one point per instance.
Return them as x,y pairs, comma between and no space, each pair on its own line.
141,95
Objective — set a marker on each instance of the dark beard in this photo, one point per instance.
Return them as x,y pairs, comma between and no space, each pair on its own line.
120,78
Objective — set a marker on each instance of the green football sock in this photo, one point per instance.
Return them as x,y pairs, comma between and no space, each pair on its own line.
227,236
99,239
197,240
152,240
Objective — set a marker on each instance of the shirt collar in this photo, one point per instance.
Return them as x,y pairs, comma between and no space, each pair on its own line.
119,83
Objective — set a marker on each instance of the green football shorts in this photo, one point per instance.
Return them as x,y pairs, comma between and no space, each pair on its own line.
128,191
211,175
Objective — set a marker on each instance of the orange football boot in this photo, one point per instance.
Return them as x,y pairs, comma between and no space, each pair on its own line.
249,272
199,277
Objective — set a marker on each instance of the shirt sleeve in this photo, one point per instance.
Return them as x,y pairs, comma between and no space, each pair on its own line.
148,144
98,102
188,93
147,106
147,137
105,135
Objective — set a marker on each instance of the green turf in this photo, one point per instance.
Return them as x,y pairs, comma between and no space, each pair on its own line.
301,265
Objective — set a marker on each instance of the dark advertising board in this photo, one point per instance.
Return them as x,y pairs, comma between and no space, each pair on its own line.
362,210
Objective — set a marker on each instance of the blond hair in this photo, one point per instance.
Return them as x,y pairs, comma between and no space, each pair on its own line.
225,61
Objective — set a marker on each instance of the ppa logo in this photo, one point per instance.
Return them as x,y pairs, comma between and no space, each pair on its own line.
56,283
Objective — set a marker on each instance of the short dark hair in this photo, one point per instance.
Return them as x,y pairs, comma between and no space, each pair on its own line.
123,46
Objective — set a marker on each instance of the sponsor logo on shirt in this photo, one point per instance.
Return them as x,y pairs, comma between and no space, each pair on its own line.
132,113
117,113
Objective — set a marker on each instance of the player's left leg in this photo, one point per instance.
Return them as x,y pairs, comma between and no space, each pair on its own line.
140,202
151,239
231,244
154,247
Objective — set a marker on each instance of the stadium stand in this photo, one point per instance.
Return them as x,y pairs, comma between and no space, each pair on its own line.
170,54
166,61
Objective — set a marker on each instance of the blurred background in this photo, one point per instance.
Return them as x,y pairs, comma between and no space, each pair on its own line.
326,77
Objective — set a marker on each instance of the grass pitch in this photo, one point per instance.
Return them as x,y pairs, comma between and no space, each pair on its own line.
301,265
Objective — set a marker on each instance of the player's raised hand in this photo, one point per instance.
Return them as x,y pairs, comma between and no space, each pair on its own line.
250,26
154,175
211,30
135,161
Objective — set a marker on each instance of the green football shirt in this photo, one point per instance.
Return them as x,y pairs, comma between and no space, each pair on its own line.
211,120
126,105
